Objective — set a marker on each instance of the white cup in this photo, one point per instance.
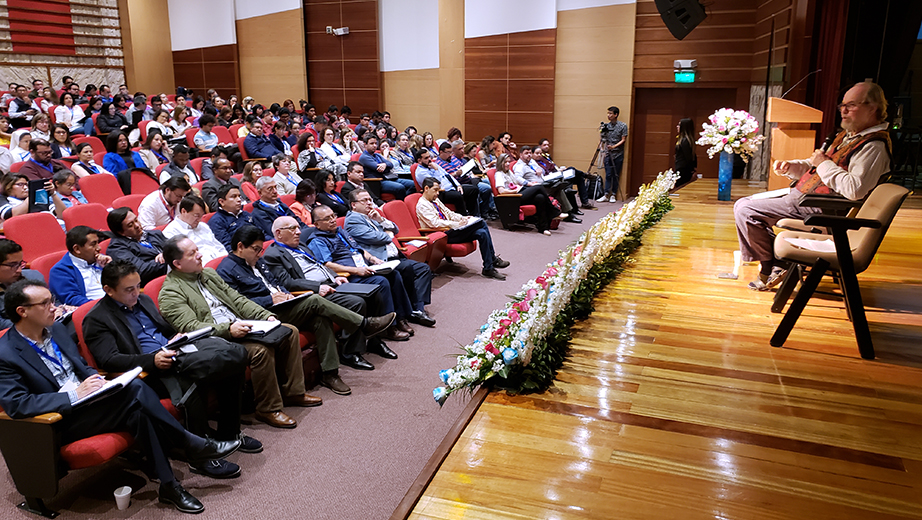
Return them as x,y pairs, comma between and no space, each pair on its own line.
123,497
700,175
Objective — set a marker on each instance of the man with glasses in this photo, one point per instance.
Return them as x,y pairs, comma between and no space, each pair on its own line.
247,273
850,166
142,249
268,208
40,165
189,223
223,172
257,145
12,269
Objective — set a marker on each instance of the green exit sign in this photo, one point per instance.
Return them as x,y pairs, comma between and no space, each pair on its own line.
685,76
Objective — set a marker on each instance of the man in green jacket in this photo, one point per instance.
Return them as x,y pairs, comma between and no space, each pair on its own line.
193,297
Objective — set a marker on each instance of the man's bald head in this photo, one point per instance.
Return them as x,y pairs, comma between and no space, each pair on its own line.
287,231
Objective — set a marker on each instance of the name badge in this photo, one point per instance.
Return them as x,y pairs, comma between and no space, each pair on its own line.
358,260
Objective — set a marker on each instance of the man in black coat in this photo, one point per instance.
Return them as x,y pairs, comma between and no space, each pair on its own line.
125,330
247,273
38,360
143,249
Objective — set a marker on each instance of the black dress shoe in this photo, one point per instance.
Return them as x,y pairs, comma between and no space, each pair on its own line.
218,468
356,361
378,324
573,219
249,444
499,263
182,500
493,273
381,349
213,450
422,318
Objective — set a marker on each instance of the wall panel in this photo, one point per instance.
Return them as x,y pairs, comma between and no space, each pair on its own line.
209,67
271,52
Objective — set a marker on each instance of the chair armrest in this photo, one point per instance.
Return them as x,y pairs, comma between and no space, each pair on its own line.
343,274
408,239
505,195
836,222
831,202
45,418
299,293
372,179
433,230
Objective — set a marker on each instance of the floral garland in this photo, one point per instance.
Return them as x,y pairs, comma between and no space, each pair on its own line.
731,131
511,335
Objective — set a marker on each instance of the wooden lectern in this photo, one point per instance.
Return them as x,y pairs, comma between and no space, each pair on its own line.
792,138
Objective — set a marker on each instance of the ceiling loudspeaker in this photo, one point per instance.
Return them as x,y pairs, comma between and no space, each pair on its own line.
681,16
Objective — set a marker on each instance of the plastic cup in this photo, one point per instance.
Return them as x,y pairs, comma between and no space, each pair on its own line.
123,497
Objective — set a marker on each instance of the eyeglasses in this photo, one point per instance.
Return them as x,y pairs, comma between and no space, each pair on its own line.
44,303
331,218
290,228
21,185
257,248
849,106
15,265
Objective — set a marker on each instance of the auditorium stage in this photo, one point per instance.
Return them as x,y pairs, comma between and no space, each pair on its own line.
672,404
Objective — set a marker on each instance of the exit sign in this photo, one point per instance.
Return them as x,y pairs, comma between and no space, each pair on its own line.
685,76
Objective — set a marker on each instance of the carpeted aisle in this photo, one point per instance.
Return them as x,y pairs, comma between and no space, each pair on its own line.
355,456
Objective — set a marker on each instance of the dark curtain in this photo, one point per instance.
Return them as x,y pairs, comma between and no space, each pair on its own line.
831,23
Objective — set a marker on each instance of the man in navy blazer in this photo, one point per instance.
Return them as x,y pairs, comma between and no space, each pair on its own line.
376,166
38,360
375,234
229,215
75,279
258,145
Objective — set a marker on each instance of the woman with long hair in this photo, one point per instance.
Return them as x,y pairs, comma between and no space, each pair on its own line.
508,182
41,127
179,122
48,100
327,194
70,114
429,144
333,150
155,150
110,119
61,145
119,156
686,161
348,142
485,156
305,200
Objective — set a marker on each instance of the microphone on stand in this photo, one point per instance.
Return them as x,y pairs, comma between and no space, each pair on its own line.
799,82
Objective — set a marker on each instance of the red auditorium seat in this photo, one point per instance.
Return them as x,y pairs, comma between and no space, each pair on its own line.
37,233
511,210
431,253
44,263
132,201
142,183
92,214
451,250
102,189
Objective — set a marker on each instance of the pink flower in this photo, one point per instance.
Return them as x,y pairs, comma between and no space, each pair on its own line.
475,363
522,306
514,315
541,280
504,323
491,349
578,250
722,128
498,333
552,271
530,294
725,140
560,262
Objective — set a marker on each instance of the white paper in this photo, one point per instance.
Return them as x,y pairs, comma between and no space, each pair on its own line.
259,326
68,386
191,336
188,349
820,246
772,194
468,166
417,243
112,385
552,176
471,221
389,265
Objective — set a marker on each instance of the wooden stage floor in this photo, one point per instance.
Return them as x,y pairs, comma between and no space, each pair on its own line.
672,404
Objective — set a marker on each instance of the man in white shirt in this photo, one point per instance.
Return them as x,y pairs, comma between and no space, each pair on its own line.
433,214
159,208
75,279
528,168
189,223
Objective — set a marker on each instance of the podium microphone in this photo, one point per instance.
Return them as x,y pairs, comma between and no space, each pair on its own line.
799,82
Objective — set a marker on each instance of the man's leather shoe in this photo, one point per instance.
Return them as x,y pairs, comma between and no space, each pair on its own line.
356,361
588,205
404,325
332,381
499,263
305,400
218,468
395,334
378,324
493,273
573,219
249,444
422,318
276,419
576,211
212,450
176,496
381,349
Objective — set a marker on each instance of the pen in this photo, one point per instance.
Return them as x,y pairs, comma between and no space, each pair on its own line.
163,348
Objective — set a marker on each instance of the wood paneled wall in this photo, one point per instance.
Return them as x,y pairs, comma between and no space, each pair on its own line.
509,85
343,70
271,53
208,67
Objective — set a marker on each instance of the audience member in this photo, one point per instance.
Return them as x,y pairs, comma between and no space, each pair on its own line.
125,330
64,183
257,145
155,150
159,208
269,207
19,144
433,214
85,164
61,145
119,156
377,167
229,216
527,168
40,164
41,127
305,200
21,111
75,279
12,269
193,297
328,195
542,155
467,202
110,120
189,224
131,243
508,181
286,180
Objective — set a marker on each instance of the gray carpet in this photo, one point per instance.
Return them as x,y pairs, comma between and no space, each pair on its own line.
355,456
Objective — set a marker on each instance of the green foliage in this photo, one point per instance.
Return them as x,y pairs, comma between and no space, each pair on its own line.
550,351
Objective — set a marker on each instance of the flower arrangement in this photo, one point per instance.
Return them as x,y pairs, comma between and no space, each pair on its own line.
731,131
512,334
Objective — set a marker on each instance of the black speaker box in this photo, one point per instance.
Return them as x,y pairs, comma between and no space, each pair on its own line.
681,16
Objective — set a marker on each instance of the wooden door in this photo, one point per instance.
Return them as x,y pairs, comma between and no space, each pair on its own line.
657,111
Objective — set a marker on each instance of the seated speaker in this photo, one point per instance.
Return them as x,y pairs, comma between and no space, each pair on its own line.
681,16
